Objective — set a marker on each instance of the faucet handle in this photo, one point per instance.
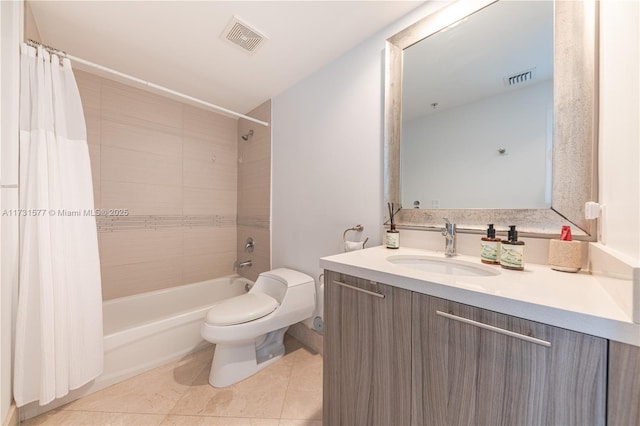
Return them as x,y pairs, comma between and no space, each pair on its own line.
449,228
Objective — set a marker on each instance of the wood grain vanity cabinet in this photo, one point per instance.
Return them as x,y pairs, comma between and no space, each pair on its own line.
395,357
623,407
472,366
367,357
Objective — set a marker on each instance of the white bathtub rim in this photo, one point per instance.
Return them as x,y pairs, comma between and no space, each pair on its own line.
229,278
119,337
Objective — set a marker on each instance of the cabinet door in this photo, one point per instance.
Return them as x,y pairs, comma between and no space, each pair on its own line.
367,352
624,385
477,367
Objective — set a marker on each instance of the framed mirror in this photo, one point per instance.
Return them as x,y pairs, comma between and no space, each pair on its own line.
490,117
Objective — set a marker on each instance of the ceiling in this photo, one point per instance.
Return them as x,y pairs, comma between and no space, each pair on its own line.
503,39
178,44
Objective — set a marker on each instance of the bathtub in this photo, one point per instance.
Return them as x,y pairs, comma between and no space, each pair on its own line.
147,330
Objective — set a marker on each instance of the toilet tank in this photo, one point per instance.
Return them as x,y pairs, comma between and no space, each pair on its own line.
276,282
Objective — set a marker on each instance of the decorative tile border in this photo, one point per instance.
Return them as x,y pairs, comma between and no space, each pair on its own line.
155,222
255,221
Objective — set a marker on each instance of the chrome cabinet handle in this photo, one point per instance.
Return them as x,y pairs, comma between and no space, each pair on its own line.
495,329
369,292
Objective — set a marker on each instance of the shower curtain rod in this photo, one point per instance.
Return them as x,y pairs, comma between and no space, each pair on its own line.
223,110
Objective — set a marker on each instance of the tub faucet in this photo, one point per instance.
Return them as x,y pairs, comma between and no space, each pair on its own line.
245,264
449,232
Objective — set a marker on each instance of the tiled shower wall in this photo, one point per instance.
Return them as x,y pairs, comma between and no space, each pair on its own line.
254,192
174,169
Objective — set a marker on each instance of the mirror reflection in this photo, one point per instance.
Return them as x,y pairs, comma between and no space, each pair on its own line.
477,112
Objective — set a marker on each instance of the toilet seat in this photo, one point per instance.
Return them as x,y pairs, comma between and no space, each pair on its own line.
240,309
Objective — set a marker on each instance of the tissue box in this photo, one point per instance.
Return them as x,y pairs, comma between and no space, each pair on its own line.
565,256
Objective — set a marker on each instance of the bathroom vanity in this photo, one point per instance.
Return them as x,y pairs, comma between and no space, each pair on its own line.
407,345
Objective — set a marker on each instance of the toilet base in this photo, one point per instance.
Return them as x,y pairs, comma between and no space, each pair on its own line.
233,363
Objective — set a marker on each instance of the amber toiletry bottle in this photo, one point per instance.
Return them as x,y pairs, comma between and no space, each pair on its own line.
393,237
490,247
512,251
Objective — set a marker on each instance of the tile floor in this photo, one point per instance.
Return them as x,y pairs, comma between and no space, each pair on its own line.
287,393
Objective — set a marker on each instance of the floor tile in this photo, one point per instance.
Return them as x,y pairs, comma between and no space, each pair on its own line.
94,418
153,392
307,371
302,405
287,422
172,420
260,395
287,393
304,393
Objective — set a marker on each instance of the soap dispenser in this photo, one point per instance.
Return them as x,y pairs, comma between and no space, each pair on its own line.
490,246
512,251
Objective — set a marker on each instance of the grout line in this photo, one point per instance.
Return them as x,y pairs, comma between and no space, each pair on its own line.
286,392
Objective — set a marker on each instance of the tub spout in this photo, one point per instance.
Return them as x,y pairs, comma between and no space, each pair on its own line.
245,264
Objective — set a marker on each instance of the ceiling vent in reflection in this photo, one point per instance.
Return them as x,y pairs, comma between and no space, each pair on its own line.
242,35
520,78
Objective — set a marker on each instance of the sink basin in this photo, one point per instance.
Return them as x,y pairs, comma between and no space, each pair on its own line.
443,265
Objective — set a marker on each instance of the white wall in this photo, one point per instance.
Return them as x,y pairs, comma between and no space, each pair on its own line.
11,16
619,153
328,142
519,121
327,156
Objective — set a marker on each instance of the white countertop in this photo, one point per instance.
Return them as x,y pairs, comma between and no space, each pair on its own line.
573,301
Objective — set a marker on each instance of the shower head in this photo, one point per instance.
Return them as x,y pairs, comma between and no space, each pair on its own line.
248,135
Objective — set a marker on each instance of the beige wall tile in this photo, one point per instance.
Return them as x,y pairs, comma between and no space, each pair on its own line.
254,201
254,190
209,125
210,165
94,156
94,126
142,199
258,148
125,102
259,265
123,165
207,266
255,174
126,135
89,86
255,149
261,256
125,280
156,156
262,247
209,240
209,252
137,246
198,201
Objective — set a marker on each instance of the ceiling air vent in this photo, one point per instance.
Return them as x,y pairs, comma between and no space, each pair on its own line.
520,78
242,35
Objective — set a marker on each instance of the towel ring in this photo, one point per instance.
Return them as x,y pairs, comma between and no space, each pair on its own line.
357,228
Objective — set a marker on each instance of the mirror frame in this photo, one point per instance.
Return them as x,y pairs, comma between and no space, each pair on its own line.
575,126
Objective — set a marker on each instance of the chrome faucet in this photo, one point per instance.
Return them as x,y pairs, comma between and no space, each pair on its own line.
449,232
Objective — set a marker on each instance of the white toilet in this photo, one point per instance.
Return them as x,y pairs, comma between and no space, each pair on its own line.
248,330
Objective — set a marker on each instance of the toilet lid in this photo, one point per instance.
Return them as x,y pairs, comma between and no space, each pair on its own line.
239,309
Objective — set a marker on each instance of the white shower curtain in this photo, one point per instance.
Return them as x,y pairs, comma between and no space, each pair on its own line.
59,340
